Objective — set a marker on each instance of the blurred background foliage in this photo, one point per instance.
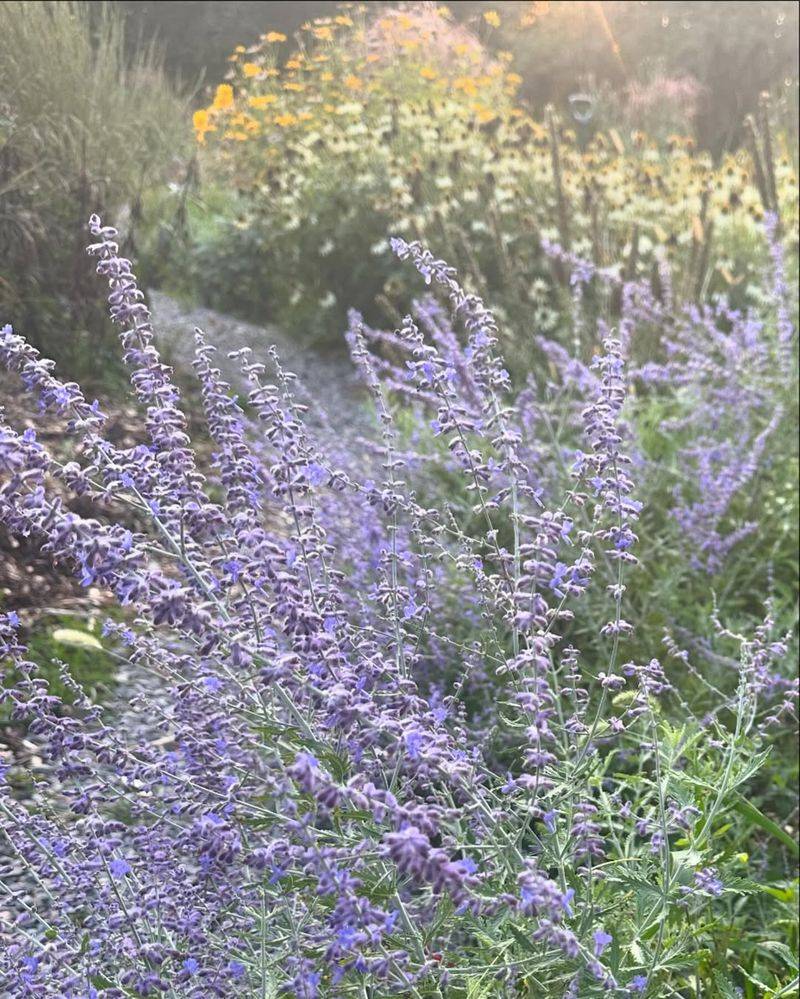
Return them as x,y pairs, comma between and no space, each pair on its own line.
86,125
622,121
733,50
375,121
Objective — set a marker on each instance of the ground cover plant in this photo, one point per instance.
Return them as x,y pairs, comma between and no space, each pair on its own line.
406,723
409,123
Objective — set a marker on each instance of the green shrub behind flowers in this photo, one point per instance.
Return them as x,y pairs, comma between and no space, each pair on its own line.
332,150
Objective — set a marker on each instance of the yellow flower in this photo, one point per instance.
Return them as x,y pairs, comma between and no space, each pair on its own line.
467,84
326,77
483,114
353,82
536,10
344,21
294,86
294,64
251,69
274,36
223,98
260,103
514,79
202,124
324,34
285,120
427,73
492,18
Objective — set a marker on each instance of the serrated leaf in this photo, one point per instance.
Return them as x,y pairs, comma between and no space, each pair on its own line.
687,858
522,940
785,953
726,987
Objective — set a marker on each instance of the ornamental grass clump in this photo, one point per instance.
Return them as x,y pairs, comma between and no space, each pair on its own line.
365,756
83,123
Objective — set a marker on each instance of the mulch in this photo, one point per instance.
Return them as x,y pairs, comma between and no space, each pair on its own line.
30,583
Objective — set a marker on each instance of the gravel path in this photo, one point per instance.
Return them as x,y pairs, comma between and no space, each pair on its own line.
327,384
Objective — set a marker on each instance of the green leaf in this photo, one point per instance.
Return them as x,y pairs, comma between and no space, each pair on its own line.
79,639
782,894
788,990
757,817
477,988
726,987
650,931
522,940
780,949
687,858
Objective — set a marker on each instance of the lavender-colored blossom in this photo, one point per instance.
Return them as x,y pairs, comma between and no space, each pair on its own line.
358,736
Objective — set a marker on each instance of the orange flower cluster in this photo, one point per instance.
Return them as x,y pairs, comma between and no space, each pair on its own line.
345,59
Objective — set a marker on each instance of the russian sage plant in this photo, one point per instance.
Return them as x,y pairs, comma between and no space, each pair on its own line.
369,753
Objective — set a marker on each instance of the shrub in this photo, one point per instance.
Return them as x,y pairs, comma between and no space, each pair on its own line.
80,126
369,754
405,124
